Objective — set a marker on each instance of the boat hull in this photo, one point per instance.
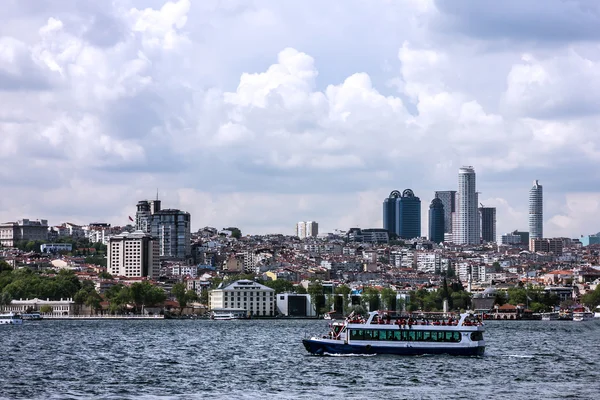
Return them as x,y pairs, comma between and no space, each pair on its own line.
323,347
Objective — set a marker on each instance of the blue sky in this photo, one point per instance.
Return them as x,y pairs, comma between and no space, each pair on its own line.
260,114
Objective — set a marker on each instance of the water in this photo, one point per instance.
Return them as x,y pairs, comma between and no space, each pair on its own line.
195,359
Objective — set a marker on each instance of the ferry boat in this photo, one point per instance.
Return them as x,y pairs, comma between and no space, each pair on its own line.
10,319
550,316
582,314
228,314
409,335
31,316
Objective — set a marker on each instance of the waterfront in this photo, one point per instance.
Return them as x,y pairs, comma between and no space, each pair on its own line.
192,359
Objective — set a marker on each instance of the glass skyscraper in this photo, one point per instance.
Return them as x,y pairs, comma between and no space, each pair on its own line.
488,224
448,199
536,211
467,231
389,213
436,221
408,215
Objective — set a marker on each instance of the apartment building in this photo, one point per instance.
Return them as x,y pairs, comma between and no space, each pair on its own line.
133,255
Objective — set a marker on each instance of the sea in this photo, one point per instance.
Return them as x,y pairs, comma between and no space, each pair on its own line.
264,359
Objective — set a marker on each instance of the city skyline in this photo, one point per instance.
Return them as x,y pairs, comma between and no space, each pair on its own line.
268,122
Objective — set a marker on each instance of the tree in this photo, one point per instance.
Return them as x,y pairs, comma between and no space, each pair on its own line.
592,299
280,285
235,232
388,298
191,296
300,289
317,298
5,299
178,291
46,309
370,297
497,267
105,275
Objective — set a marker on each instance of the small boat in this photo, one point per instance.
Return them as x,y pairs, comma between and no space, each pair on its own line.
582,314
10,319
413,334
31,316
228,314
550,316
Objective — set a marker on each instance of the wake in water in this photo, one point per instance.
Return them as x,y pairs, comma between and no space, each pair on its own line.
349,355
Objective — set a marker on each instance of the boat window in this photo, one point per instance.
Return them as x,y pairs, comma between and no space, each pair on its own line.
397,335
426,336
434,336
457,336
475,336
383,335
411,336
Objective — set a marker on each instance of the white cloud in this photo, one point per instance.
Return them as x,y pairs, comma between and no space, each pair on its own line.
243,115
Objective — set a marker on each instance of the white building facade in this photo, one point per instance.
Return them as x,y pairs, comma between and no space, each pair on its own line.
256,299
468,208
536,211
133,255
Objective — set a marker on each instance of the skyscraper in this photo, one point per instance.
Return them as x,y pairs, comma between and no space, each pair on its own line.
468,214
448,198
488,224
536,212
301,230
408,215
436,220
307,229
389,212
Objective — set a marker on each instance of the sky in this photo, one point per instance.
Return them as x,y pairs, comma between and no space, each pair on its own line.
260,114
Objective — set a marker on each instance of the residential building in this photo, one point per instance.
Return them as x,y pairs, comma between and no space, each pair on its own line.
510,239
436,221
133,255
448,198
375,235
408,215
55,247
536,211
24,229
488,224
389,212
256,299
547,246
172,228
307,229
468,215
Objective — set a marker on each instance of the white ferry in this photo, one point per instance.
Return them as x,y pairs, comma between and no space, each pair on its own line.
409,335
10,319
228,314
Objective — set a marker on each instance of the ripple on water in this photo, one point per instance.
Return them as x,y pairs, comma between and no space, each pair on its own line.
265,359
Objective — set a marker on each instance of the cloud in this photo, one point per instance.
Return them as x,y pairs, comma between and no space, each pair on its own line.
243,114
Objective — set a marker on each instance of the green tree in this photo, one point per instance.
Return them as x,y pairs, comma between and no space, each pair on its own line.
46,309
317,298
388,298
235,232
300,289
592,299
371,298
178,291
280,285
191,296
105,275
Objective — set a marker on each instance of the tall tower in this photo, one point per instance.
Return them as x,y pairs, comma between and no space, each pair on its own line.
301,230
436,220
408,215
536,211
468,213
488,224
448,198
389,212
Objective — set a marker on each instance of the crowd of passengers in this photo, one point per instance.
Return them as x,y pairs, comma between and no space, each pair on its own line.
386,319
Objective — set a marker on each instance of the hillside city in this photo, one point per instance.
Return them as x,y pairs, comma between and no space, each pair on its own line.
156,266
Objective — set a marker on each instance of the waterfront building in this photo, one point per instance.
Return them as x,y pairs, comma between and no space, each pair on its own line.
536,211
133,255
295,305
389,213
448,198
60,308
488,224
256,299
23,229
468,215
590,239
408,215
436,221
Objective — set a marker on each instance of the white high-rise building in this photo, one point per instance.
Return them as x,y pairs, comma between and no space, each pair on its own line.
306,229
301,230
468,211
536,211
133,255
